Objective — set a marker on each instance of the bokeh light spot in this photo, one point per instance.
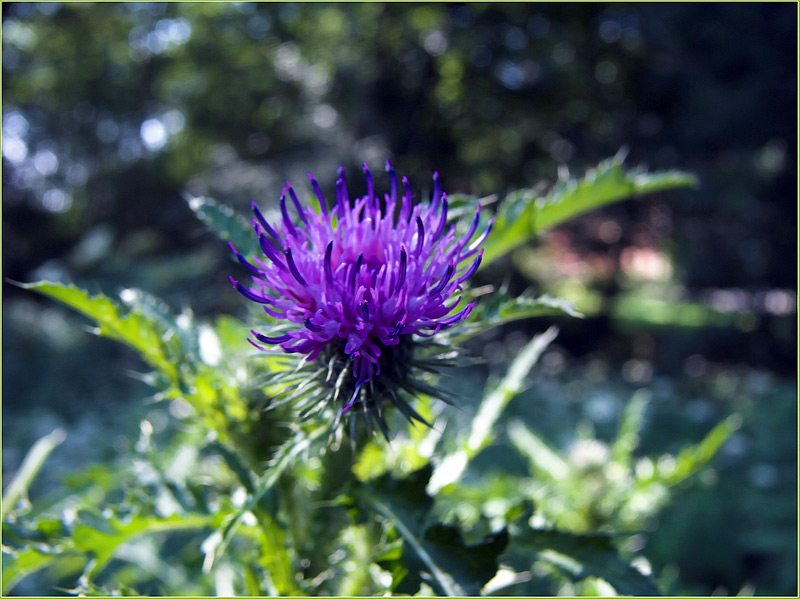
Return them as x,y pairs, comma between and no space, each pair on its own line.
153,134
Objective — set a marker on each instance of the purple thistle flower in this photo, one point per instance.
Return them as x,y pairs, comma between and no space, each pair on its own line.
355,283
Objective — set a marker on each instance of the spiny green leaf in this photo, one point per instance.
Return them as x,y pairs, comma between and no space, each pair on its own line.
132,328
524,214
582,555
471,565
513,227
435,554
96,536
498,309
225,223
607,183
179,333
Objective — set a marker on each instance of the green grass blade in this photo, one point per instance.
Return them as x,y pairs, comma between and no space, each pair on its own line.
543,460
30,468
450,469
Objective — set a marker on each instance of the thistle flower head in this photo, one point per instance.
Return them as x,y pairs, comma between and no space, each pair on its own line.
355,284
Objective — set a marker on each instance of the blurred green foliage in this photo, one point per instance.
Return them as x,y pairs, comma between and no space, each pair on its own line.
293,517
112,111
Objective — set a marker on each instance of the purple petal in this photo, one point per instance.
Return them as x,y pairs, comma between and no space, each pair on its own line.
287,222
370,186
328,271
261,299
408,201
342,199
293,267
296,202
471,270
420,237
354,272
393,179
442,219
273,340
444,281
437,193
468,235
270,252
402,277
315,186
479,241
398,327
273,313
451,320
264,224
311,326
244,261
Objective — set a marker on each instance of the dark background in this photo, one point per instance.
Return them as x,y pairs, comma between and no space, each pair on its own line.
112,111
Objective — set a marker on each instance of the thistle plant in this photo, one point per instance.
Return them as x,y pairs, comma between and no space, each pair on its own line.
366,299
358,288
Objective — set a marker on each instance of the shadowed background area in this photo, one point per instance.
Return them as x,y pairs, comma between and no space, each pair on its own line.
111,112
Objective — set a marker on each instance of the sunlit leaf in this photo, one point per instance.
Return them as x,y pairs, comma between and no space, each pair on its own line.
525,214
498,308
692,459
131,327
179,332
17,564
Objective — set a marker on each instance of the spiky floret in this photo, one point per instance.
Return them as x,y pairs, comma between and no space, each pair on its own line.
353,288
